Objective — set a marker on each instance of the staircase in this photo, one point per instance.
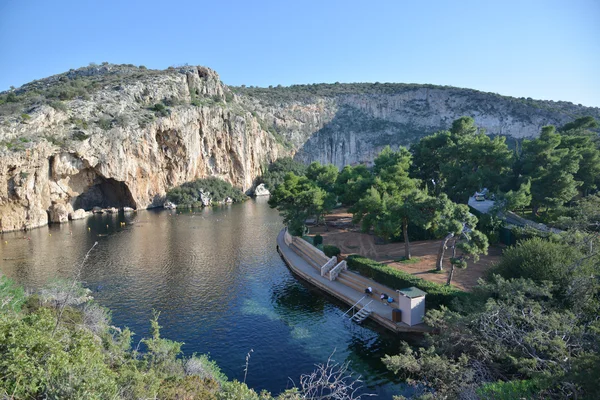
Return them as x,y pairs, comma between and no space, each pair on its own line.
362,314
305,256
360,283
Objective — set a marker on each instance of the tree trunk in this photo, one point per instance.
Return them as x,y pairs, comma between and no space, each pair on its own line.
442,250
450,275
406,242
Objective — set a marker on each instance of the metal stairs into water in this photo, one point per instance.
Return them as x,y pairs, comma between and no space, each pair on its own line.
361,315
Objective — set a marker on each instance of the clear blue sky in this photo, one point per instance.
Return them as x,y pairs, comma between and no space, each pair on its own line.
543,49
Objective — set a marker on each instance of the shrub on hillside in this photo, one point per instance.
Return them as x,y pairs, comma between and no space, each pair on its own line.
276,172
437,295
188,194
540,260
160,110
317,240
331,251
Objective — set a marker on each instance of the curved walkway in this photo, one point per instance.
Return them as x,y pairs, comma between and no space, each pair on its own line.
349,288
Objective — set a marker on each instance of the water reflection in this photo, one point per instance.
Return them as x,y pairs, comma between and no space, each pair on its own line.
220,286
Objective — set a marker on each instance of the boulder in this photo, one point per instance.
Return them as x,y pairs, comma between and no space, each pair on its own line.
170,206
97,210
261,190
228,200
59,213
78,214
128,209
205,199
112,210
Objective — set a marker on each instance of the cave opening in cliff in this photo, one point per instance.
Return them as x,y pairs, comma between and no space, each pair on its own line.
106,193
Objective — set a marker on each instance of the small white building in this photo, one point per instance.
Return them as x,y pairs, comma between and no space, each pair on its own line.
412,305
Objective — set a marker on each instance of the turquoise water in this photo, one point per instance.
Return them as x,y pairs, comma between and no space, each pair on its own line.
219,284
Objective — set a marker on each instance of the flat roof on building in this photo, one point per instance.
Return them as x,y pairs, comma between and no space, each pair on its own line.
412,292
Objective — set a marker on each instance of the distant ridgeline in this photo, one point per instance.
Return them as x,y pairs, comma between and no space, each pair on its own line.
351,123
128,134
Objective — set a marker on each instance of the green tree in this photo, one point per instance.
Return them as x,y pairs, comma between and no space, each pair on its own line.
352,183
297,199
324,176
539,260
416,208
276,171
461,161
518,199
471,244
513,330
579,137
452,221
550,169
429,154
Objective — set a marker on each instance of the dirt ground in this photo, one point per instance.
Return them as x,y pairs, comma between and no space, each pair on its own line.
343,234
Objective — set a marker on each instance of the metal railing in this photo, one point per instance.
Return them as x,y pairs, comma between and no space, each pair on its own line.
354,305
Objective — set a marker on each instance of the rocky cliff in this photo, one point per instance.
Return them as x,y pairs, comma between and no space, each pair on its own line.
121,135
350,123
125,138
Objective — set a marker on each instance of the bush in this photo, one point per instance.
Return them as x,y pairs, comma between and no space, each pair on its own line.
160,110
538,259
508,390
59,105
277,171
79,135
331,251
104,123
437,295
188,194
317,240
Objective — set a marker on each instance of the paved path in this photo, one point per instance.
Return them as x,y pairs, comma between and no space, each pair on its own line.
381,314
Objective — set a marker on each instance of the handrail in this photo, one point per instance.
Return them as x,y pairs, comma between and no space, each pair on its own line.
354,305
367,305
333,274
328,265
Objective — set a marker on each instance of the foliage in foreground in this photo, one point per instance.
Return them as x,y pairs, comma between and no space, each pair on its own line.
533,333
61,345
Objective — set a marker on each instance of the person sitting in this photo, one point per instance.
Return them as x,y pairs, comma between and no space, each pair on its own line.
390,300
369,290
384,297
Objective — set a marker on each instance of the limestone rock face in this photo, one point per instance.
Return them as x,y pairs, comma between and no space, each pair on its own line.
137,133
59,213
79,214
205,199
261,190
169,206
346,124
115,150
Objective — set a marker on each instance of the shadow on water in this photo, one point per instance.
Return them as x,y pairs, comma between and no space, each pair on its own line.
220,285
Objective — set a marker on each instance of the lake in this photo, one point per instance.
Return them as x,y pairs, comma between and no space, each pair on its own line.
220,286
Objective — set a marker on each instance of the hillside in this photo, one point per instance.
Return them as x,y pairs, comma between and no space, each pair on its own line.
116,136
350,123
121,135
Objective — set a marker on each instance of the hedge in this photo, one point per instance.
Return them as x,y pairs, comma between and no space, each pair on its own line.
437,294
